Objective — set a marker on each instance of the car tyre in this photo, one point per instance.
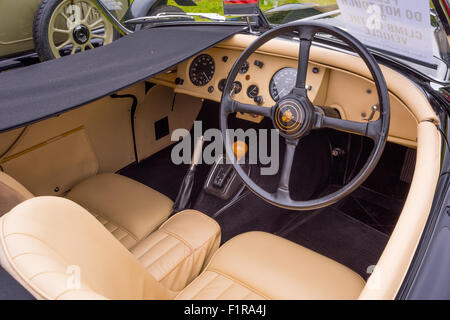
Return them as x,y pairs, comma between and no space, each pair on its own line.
48,21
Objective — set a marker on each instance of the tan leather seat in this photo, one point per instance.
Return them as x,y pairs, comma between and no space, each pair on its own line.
259,265
127,208
178,251
174,254
57,250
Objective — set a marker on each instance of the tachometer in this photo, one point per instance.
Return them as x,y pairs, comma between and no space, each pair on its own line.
282,83
202,70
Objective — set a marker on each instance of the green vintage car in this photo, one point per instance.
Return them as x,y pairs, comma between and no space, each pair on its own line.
54,28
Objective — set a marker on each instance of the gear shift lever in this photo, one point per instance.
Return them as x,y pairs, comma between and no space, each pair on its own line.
222,181
184,194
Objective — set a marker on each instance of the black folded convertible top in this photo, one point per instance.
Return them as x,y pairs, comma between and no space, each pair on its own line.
43,90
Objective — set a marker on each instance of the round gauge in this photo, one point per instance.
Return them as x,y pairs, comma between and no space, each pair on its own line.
244,68
202,70
221,84
252,91
282,83
237,87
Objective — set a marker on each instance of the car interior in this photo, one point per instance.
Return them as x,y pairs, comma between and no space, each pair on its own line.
94,187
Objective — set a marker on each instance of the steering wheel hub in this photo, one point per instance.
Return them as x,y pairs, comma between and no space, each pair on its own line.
293,117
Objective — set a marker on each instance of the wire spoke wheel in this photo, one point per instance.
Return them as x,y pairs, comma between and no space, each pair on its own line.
75,26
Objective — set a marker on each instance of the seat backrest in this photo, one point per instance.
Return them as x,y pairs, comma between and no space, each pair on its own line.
58,250
11,193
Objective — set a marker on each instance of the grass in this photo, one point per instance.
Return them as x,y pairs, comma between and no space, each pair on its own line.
216,6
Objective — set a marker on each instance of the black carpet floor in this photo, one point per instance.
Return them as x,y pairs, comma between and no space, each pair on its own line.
340,237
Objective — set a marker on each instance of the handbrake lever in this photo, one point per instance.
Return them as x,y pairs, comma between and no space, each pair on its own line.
184,194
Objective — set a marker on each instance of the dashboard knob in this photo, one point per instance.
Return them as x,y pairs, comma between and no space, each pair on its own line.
259,100
259,64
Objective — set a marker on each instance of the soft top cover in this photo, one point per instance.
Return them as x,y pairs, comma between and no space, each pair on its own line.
47,89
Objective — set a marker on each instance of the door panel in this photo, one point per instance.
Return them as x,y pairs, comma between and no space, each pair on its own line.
54,166
106,144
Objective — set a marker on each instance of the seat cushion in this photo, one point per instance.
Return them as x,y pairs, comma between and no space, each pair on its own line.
259,265
127,208
58,250
176,253
215,286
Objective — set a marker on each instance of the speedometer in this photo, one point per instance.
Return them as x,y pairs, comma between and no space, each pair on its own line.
282,83
202,70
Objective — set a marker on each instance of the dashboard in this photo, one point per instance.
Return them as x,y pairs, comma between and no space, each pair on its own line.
261,81
266,77
202,70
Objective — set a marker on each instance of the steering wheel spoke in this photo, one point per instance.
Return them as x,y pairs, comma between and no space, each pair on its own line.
236,106
370,129
306,35
283,183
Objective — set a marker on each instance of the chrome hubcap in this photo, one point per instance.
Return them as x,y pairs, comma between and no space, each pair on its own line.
81,34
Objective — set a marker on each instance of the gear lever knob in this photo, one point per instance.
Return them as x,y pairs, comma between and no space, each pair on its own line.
240,149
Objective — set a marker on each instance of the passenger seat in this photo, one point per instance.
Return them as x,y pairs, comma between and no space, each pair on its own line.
174,251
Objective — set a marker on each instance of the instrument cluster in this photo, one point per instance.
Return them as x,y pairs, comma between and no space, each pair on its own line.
203,68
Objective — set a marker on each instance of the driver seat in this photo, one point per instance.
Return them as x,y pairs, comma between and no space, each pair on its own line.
58,250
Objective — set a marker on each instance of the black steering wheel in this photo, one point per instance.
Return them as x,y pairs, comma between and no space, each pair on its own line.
304,117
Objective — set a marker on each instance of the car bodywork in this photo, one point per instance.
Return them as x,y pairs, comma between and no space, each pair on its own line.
16,21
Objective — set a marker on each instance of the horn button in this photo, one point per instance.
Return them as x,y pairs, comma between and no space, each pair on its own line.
293,116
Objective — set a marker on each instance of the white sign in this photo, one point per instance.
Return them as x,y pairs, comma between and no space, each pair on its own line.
399,26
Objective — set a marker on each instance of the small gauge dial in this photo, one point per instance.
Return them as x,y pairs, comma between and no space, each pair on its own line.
237,87
221,85
244,68
202,70
252,91
282,83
